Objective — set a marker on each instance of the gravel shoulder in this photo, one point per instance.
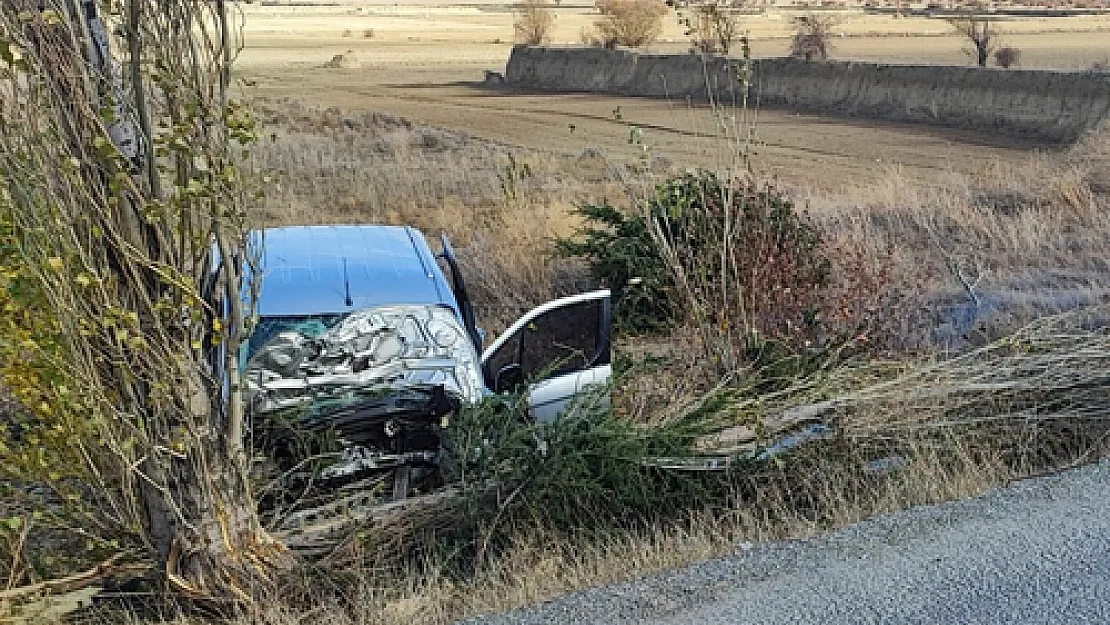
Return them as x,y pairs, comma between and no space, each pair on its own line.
1037,551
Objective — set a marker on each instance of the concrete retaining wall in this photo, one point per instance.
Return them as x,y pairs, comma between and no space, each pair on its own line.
1039,104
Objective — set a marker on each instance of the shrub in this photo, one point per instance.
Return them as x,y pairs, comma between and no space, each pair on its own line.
744,259
812,38
622,255
631,23
644,261
739,262
532,22
1007,57
584,469
712,26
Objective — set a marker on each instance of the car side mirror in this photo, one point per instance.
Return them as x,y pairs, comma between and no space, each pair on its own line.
509,378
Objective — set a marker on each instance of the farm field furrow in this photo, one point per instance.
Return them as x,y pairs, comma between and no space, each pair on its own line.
847,150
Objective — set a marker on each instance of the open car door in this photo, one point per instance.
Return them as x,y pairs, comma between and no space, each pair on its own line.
559,349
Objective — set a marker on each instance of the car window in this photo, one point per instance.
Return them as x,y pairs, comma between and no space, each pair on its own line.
312,326
562,340
507,354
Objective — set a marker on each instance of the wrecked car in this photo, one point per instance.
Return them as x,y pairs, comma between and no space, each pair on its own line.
364,332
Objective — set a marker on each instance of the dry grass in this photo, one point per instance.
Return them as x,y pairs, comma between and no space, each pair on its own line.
795,501
1035,235
541,566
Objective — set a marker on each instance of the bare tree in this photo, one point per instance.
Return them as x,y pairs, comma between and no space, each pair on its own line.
812,37
631,23
979,30
118,156
713,26
532,22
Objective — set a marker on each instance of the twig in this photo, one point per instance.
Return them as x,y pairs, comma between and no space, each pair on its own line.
958,272
17,553
66,584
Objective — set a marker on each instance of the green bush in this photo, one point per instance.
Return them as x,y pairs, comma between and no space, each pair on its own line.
588,470
734,253
622,255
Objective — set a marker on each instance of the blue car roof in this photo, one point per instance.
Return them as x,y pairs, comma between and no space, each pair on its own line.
311,270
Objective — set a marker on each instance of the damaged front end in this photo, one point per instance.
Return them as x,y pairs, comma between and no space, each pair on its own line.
383,381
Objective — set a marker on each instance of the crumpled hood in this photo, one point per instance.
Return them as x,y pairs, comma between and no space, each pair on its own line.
367,353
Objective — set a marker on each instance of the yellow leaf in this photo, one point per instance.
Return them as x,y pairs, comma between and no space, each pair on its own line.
55,263
51,17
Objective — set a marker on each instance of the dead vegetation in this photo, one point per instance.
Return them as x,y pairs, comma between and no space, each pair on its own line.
631,23
713,26
532,22
812,37
979,30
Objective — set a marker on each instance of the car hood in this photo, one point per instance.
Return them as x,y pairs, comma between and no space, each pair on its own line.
366,354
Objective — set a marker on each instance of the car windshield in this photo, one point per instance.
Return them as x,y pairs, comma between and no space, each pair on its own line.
312,326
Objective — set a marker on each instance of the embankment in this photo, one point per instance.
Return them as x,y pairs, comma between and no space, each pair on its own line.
1038,104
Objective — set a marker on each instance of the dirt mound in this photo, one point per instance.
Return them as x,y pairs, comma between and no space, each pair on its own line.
344,61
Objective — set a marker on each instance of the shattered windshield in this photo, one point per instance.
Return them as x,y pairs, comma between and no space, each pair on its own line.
310,326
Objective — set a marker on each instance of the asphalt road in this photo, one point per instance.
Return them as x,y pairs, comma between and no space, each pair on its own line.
1036,552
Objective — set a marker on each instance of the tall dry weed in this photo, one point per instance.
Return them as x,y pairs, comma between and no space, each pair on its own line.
1030,239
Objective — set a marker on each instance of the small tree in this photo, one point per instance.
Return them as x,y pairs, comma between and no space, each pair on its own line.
631,23
119,176
713,25
532,22
980,31
812,37
1007,57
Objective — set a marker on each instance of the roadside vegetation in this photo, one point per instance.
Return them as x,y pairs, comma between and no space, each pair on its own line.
926,341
